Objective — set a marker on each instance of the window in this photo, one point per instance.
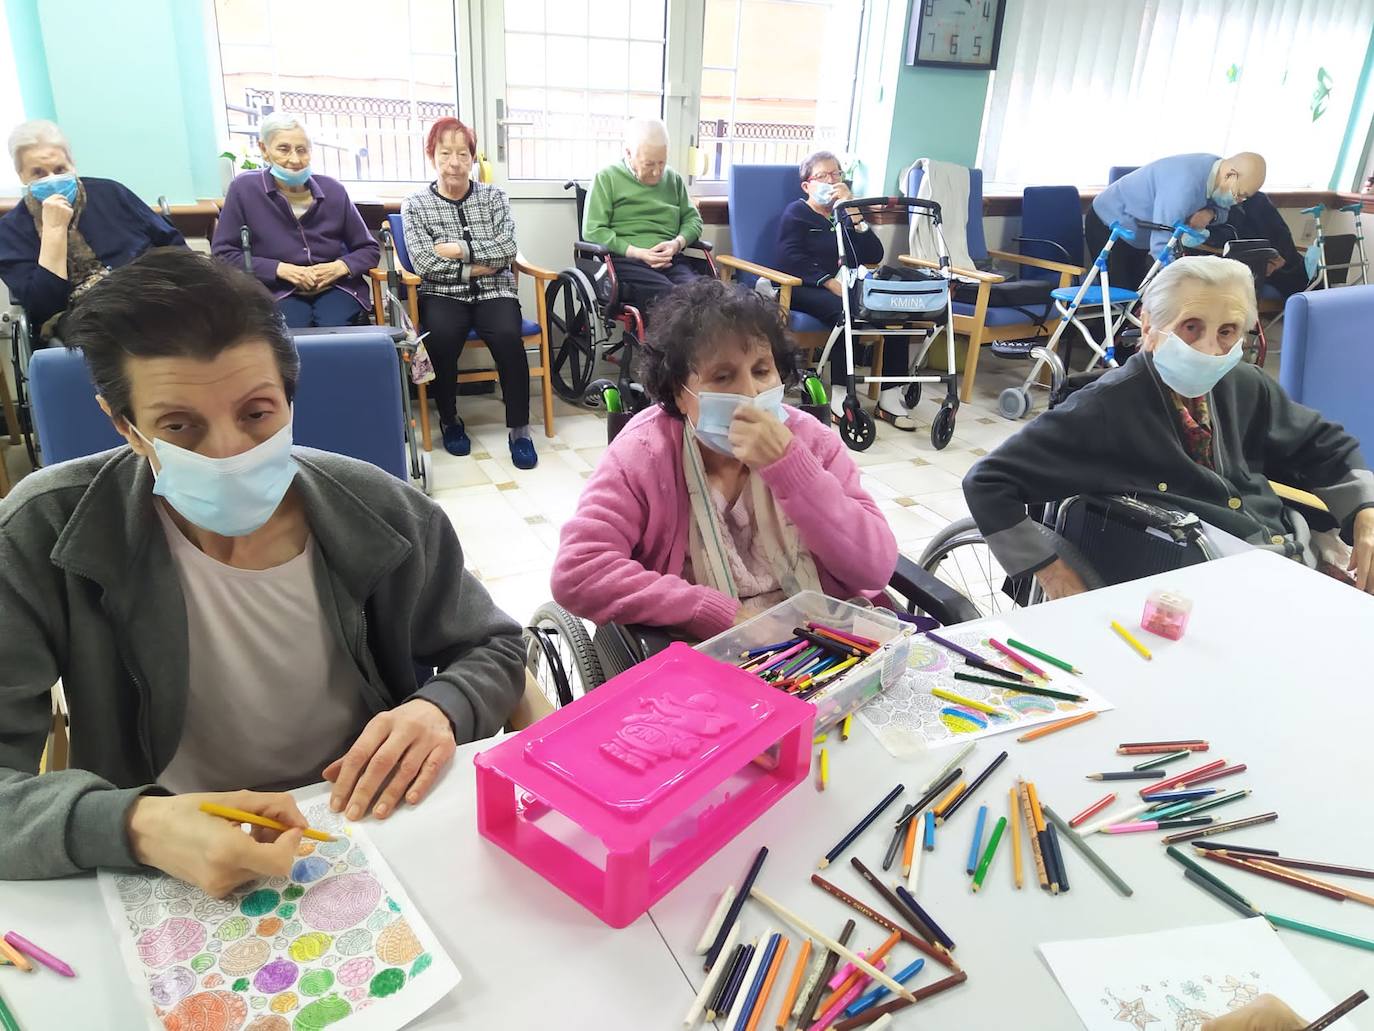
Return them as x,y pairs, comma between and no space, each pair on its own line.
777,80
1084,85
366,97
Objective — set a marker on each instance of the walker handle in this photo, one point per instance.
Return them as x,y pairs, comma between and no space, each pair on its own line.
1314,210
1353,207
1120,232
1196,236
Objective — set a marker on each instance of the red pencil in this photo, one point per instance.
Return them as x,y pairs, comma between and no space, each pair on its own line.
1093,810
1181,778
1215,775
1024,663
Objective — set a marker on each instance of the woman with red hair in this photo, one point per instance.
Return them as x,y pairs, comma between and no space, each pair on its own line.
461,239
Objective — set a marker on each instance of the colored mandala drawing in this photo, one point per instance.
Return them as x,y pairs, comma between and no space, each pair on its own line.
1134,1013
1185,1017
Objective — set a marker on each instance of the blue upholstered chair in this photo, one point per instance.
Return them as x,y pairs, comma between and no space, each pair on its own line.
981,321
1117,171
1327,361
536,333
348,401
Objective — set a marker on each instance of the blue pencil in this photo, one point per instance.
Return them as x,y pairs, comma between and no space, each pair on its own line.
727,998
1191,795
753,996
764,649
869,998
975,850
929,842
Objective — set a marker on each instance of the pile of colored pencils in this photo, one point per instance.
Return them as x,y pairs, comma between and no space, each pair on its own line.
814,657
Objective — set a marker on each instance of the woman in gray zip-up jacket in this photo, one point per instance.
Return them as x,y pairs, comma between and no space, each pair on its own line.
224,611
1183,423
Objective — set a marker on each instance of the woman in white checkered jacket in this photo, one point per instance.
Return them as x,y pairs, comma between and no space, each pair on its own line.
461,240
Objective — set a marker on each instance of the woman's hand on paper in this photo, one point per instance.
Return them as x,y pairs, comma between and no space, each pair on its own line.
170,832
400,753
1264,1014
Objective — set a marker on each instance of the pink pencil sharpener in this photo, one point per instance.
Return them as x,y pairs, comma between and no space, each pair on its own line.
1166,614
617,797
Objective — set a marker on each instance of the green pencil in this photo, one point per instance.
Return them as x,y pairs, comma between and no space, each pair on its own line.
987,856
1067,696
7,1020
1320,932
1068,667
1194,808
1209,877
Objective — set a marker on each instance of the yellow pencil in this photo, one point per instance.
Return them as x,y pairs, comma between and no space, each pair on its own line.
819,739
1129,638
1015,821
243,816
844,727
958,699
948,800
13,955
825,769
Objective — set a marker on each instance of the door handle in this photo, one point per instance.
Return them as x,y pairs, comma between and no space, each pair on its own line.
501,128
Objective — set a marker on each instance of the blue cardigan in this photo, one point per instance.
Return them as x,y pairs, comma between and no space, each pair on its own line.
117,225
807,247
1164,191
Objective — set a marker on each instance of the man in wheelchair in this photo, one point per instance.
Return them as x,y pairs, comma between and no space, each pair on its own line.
1184,423
639,210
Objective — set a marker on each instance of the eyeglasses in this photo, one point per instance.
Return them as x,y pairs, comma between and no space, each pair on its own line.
827,177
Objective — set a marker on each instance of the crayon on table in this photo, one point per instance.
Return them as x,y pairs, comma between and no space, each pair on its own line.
1087,852
1053,728
15,956
1130,639
986,861
1067,667
1018,658
34,952
928,844
975,848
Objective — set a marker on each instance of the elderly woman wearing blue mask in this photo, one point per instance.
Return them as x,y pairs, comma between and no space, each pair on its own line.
68,232
308,243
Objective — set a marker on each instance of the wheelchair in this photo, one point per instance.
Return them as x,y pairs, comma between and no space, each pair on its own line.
16,324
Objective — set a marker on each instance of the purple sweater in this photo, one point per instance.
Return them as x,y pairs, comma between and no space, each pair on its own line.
331,229
620,557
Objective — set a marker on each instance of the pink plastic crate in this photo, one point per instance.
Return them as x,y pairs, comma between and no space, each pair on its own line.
616,798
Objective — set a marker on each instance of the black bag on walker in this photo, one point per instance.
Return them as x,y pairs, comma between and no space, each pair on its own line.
894,295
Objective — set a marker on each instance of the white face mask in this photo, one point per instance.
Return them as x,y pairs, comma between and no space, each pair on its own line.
715,411
1187,371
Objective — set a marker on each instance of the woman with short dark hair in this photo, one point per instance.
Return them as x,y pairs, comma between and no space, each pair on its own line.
719,500
224,611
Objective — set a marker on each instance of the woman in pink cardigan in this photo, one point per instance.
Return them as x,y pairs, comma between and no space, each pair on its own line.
719,501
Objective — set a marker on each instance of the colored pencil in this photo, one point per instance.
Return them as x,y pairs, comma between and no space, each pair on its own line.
958,699
1052,836
8,1021
729,988
1226,771
986,861
1092,810
1125,816
34,952
1190,795
1312,929
973,658
1130,639
874,1014
1042,874
713,922
974,785
1127,775
1311,864
861,826
1293,882
1067,667
749,985
764,649
1222,828
1050,728
1336,1012
1086,851
823,770
912,865
1052,871
878,994
850,975
908,848
920,944
882,1023
1188,862
832,960
1162,760
243,816
1272,867
928,842
1140,826
753,1010
831,1013
736,904
1044,692
1235,848
1221,896
959,757
845,726
1015,817
810,979
898,837
789,997
975,848
931,794
906,912
1184,778
909,900
801,925
1018,658
845,635
713,980
948,800
15,956
1208,804
1156,747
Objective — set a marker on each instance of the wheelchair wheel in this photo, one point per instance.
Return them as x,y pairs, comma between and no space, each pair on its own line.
572,337
1014,403
857,428
942,428
560,656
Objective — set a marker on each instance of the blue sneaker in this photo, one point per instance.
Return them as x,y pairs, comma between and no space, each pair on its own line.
456,439
522,454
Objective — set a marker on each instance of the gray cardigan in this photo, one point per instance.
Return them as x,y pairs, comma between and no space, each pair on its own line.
89,593
1121,436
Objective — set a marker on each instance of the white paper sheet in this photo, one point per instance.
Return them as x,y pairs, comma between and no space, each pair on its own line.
339,944
1175,980
907,717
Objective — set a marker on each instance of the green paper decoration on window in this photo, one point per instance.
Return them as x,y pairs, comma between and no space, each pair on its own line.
1321,94
1233,74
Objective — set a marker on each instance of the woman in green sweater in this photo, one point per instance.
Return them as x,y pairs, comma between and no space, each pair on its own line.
638,209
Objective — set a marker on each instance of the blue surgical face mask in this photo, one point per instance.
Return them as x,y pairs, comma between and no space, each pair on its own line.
288,177
1187,371
63,183
229,496
1222,197
822,192
716,410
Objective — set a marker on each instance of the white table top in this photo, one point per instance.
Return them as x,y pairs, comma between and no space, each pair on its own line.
1271,672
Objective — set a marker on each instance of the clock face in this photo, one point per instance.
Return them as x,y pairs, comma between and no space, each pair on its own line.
955,33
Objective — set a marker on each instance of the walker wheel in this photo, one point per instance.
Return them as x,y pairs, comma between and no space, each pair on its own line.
857,428
1014,403
942,428
911,396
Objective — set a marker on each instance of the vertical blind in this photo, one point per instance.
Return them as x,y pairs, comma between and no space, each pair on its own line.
1083,85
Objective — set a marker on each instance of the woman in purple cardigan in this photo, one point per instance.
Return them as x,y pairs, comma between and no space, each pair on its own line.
308,243
719,501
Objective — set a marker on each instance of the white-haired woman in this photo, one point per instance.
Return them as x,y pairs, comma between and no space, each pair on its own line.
638,209
308,243
68,232
1187,424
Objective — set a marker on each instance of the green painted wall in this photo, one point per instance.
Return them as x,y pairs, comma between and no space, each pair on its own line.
937,113
30,57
